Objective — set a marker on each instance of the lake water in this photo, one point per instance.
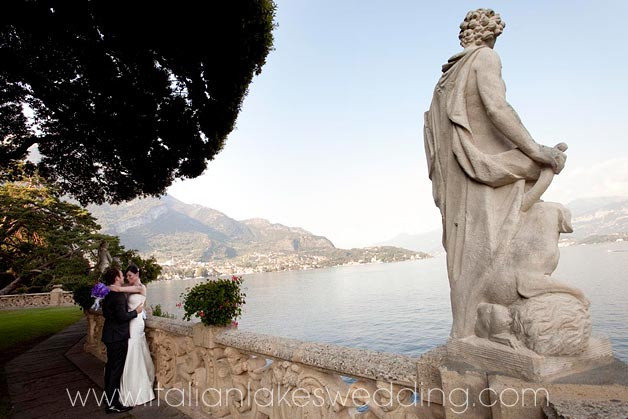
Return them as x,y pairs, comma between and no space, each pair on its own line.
402,307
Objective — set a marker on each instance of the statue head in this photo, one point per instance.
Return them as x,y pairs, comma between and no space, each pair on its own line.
481,26
492,319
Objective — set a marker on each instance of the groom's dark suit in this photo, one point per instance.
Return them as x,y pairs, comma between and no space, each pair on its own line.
115,335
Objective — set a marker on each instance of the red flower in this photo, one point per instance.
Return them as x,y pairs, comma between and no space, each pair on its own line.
235,324
178,304
234,278
201,313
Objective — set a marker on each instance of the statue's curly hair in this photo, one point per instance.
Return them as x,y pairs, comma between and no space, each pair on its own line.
553,324
480,25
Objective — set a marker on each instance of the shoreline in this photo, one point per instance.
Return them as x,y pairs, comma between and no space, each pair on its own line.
317,268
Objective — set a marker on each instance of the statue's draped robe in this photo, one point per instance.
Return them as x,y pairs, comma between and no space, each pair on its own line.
479,195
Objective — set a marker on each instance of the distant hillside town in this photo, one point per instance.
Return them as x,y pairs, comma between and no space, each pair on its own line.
196,241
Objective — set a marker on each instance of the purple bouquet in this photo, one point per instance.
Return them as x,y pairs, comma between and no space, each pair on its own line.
99,291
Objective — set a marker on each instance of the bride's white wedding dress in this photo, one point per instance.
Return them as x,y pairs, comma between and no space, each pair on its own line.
136,385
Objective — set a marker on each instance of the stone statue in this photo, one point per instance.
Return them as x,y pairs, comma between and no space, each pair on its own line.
488,175
104,258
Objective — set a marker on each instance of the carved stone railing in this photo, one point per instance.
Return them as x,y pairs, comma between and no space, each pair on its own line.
55,298
225,372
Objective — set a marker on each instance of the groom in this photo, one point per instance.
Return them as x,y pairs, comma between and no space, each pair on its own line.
115,336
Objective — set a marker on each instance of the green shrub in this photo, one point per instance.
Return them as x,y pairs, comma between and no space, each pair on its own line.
217,302
83,295
158,312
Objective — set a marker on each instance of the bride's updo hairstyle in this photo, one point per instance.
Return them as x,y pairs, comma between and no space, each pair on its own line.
132,268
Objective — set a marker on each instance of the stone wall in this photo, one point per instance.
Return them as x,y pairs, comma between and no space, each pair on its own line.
225,372
55,298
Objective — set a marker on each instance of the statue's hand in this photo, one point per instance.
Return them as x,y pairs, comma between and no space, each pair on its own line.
553,157
508,339
515,343
561,147
559,159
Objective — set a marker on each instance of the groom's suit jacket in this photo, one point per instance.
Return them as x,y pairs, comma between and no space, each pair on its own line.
117,317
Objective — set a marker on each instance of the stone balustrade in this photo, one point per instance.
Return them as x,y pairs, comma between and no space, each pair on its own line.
55,298
225,372
228,373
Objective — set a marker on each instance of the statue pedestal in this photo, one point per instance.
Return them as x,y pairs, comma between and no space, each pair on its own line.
524,363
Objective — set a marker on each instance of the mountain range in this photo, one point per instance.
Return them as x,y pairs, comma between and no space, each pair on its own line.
599,219
168,228
593,219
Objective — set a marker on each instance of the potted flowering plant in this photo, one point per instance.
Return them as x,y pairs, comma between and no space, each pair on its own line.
217,302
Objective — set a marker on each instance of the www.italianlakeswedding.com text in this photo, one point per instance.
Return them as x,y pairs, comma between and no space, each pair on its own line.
459,400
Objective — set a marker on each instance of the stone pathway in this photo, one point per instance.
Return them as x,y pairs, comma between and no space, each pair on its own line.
45,381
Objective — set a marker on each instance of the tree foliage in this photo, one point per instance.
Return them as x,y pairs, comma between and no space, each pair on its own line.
150,269
40,234
122,258
45,240
122,97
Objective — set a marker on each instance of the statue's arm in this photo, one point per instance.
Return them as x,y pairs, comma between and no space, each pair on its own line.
492,90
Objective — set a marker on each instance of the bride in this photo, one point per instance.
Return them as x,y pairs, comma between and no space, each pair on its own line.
136,385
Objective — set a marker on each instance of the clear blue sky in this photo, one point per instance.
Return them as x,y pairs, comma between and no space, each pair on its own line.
330,137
